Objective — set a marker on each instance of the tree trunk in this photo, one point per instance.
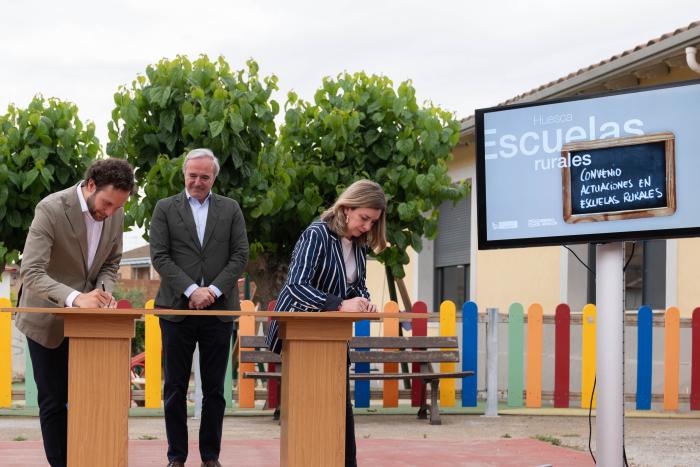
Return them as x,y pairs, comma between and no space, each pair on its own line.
393,297
268,274
390,284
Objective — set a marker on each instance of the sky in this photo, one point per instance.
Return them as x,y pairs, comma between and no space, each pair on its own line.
460,55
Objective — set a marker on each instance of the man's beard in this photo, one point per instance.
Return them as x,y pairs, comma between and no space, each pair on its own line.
90,201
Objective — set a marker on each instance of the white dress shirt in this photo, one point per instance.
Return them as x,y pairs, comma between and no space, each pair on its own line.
93,229
200,211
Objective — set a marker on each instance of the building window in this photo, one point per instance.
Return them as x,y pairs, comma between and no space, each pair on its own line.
452,283
645,276
452,248
140,273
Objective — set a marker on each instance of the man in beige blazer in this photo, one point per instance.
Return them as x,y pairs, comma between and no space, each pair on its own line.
70,258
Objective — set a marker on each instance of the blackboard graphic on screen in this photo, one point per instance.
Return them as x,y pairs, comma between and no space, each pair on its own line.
619,178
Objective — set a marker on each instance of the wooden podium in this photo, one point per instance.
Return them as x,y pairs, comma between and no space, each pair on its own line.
98,387
314,364
98,382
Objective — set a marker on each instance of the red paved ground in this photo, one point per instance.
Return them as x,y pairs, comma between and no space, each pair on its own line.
385,453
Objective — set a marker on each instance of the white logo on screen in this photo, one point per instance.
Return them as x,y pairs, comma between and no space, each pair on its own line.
550,140
546,222
504,225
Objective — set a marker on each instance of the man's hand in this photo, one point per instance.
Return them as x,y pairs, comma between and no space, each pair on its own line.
358,304
201,298
95,299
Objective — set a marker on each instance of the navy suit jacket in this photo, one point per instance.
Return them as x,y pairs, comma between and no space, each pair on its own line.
316,280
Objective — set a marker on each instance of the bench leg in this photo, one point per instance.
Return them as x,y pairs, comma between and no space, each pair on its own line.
424,407
434,409
276,415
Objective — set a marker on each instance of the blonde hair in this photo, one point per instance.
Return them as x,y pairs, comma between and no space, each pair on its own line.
361,194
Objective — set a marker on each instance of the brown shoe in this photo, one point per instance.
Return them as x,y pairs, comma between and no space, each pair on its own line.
176,464
211,463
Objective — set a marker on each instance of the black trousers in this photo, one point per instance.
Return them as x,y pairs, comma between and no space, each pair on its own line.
350,448
51,375
179,340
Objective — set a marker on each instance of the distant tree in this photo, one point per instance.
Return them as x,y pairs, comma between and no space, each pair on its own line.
179,105
360,126
43,148
137,298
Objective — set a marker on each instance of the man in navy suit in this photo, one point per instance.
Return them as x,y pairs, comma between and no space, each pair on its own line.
200,249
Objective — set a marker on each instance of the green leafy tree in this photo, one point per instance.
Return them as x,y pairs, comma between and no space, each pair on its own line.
179,105
43,148
360,126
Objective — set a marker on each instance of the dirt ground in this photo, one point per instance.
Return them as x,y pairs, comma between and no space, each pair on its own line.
649,441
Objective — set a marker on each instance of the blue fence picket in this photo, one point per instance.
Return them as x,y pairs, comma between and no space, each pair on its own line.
644,349
470,333
362,387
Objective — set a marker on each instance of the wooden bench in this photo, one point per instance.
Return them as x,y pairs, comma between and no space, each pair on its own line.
425,351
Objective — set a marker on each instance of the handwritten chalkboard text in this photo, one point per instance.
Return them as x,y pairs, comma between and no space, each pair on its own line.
625,178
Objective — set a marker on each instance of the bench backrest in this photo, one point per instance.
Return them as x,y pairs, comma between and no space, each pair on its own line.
256,342
263,355
404,345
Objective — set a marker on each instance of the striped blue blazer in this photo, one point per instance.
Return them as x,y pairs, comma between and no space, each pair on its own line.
316,279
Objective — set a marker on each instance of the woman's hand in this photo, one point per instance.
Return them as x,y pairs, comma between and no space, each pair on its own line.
358,304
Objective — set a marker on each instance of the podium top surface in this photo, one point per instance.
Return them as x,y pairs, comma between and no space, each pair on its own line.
280,315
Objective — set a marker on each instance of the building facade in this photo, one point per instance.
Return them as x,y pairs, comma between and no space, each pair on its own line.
661,273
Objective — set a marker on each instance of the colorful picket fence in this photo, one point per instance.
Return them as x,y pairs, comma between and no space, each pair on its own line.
524,359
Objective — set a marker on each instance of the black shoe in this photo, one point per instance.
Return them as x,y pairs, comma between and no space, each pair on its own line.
211,463
176,464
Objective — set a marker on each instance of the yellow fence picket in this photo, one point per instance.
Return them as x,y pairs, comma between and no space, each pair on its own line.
448,327
588,356
5,354
153,393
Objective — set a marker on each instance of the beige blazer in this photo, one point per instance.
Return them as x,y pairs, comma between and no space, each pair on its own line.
54,262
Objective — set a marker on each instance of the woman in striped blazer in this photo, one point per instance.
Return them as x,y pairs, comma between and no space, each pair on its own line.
327,270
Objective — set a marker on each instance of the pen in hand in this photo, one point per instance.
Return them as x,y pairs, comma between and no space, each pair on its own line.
105,290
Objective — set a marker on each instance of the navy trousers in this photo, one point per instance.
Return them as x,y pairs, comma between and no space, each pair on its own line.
51,375
350,449
179,340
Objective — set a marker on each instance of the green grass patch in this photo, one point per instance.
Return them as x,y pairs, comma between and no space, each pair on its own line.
548,439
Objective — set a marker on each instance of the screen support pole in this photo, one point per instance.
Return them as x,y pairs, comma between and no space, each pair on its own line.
610,318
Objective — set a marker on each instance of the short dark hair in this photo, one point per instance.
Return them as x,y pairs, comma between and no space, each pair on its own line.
111,171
